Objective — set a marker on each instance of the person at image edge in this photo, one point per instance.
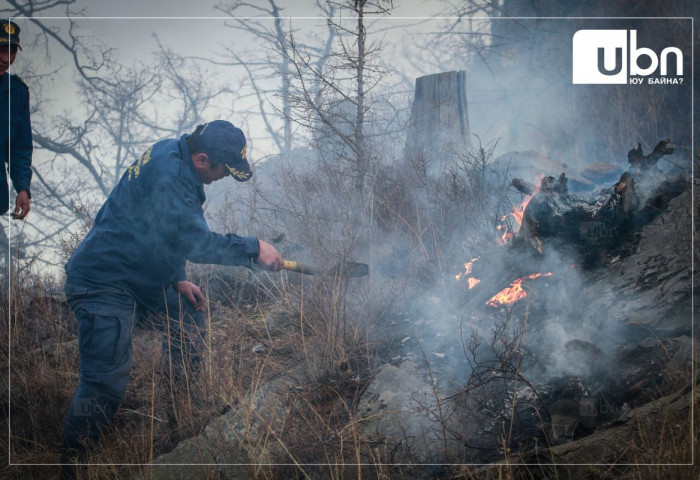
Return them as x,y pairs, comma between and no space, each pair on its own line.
16,149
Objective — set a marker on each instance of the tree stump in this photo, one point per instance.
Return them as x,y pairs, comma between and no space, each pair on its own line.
438,131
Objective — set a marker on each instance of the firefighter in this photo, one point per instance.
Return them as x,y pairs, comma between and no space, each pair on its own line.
133,261
15,141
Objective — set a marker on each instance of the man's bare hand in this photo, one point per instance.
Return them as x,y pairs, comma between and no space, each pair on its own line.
21,206
192,293
269,258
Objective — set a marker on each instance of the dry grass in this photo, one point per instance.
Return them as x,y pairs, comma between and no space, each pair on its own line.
294,326
320,329
304,326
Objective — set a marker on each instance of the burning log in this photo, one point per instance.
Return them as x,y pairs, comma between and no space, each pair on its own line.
588,229
550,213
524,187
595,225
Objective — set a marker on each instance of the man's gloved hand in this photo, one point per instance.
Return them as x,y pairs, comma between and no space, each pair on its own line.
21,206
269,258
192,293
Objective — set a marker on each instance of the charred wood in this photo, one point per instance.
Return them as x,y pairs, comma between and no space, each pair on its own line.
523,187
615,445
660,198
594,225
639,161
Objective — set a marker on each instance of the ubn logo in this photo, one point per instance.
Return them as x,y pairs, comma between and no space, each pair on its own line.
601,56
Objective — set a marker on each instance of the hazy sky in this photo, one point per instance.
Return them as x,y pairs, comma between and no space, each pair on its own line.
133,29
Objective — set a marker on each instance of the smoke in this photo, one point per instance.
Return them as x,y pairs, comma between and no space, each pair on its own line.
417,232
521,91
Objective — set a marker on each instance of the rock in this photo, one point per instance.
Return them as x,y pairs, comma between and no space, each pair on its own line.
565,419
246,434
573,411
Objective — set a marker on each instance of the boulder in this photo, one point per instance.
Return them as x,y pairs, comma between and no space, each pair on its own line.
246,434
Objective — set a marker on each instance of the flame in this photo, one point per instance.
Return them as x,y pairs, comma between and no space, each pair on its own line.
515,292
471,282
517,214
519,211
506,237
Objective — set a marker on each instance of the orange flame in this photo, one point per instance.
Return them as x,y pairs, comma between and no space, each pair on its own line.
515,292
519,211
471,282
506,237
517,214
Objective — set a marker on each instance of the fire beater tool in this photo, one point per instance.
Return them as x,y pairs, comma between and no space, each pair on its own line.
346,269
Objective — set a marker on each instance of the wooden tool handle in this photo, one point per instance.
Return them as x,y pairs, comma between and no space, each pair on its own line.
298,267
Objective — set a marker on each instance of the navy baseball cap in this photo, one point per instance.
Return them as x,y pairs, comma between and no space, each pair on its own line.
226,144
9,33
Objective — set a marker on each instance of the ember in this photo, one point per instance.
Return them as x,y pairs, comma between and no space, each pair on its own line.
514,293
507,235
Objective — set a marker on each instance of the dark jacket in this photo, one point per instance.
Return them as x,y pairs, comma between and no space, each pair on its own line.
150,224
15,134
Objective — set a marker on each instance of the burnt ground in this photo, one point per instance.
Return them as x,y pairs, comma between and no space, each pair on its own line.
590,343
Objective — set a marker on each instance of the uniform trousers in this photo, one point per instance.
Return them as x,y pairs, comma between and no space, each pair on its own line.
106,317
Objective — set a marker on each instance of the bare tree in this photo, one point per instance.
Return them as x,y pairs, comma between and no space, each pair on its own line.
82,152
269,70
30,8
332,100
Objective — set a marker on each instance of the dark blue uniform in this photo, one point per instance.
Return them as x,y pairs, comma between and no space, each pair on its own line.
150,224
15,137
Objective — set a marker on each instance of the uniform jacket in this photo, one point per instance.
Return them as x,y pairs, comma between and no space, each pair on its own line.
150,224
15,134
